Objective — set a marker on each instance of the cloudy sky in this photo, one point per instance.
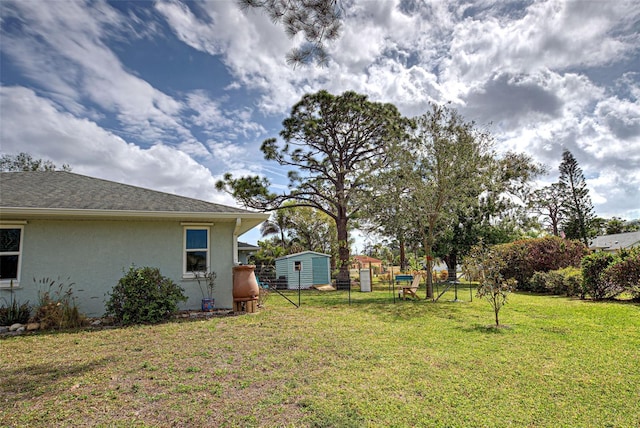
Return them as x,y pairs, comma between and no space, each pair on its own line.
170,95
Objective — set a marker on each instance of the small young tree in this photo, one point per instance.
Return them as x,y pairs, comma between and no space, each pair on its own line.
486,265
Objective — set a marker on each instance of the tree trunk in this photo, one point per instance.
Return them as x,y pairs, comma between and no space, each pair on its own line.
342,279
429,263
452,262
403,256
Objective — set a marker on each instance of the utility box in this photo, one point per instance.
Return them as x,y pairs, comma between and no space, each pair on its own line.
365,280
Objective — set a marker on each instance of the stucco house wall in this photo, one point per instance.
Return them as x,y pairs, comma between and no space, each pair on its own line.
95,254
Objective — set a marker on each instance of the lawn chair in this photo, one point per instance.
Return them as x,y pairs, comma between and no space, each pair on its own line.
410,289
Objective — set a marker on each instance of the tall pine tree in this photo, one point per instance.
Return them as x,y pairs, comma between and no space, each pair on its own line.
577,206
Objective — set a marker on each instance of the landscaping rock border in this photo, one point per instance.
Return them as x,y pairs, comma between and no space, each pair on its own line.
108,322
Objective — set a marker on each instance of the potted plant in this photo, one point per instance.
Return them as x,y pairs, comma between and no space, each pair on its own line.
207,283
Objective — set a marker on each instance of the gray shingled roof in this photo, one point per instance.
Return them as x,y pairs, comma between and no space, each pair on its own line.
247,247
66,190
616,241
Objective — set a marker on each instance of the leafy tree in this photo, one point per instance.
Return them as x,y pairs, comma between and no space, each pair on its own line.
618,225
445,166
632,225
26,162
547,203
577,205
383,214
497,215
335,144
317,20
312,230
270,250
614,225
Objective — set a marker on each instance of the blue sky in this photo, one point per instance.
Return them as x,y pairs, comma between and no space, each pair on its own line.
170,95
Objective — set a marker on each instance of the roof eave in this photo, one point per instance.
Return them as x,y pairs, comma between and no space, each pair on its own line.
249,219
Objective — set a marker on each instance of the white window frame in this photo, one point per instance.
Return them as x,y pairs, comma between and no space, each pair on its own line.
6,283
187,227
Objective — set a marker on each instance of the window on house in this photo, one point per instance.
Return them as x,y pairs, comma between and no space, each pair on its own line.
10,254
196,250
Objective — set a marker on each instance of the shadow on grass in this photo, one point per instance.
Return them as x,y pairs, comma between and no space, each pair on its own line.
491,328
27,382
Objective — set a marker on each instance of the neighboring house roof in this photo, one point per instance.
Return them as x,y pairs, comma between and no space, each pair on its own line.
366,259
616,241
65,194
243,246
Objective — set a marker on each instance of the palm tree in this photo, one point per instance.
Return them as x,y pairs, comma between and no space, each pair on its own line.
277,225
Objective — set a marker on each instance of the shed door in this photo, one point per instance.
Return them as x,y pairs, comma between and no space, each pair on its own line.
320,270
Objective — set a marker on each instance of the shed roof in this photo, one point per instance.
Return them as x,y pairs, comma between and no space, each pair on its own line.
288,256
616,241
66,194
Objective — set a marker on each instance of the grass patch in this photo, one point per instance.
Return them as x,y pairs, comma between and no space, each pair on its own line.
558,362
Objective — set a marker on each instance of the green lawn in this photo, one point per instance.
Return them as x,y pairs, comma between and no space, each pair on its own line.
558,362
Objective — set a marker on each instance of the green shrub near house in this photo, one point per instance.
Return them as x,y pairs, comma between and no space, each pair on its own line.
144,296
14,312
594,283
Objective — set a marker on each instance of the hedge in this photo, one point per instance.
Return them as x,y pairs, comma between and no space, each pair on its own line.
526,257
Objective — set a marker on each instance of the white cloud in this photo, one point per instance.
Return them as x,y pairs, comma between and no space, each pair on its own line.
552,34
62,49
43,131
622,117
188,28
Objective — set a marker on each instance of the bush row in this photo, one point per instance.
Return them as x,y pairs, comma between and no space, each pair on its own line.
142,296
56,307
557,266
525,257
566,281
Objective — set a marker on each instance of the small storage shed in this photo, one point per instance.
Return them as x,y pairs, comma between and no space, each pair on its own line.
315,269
